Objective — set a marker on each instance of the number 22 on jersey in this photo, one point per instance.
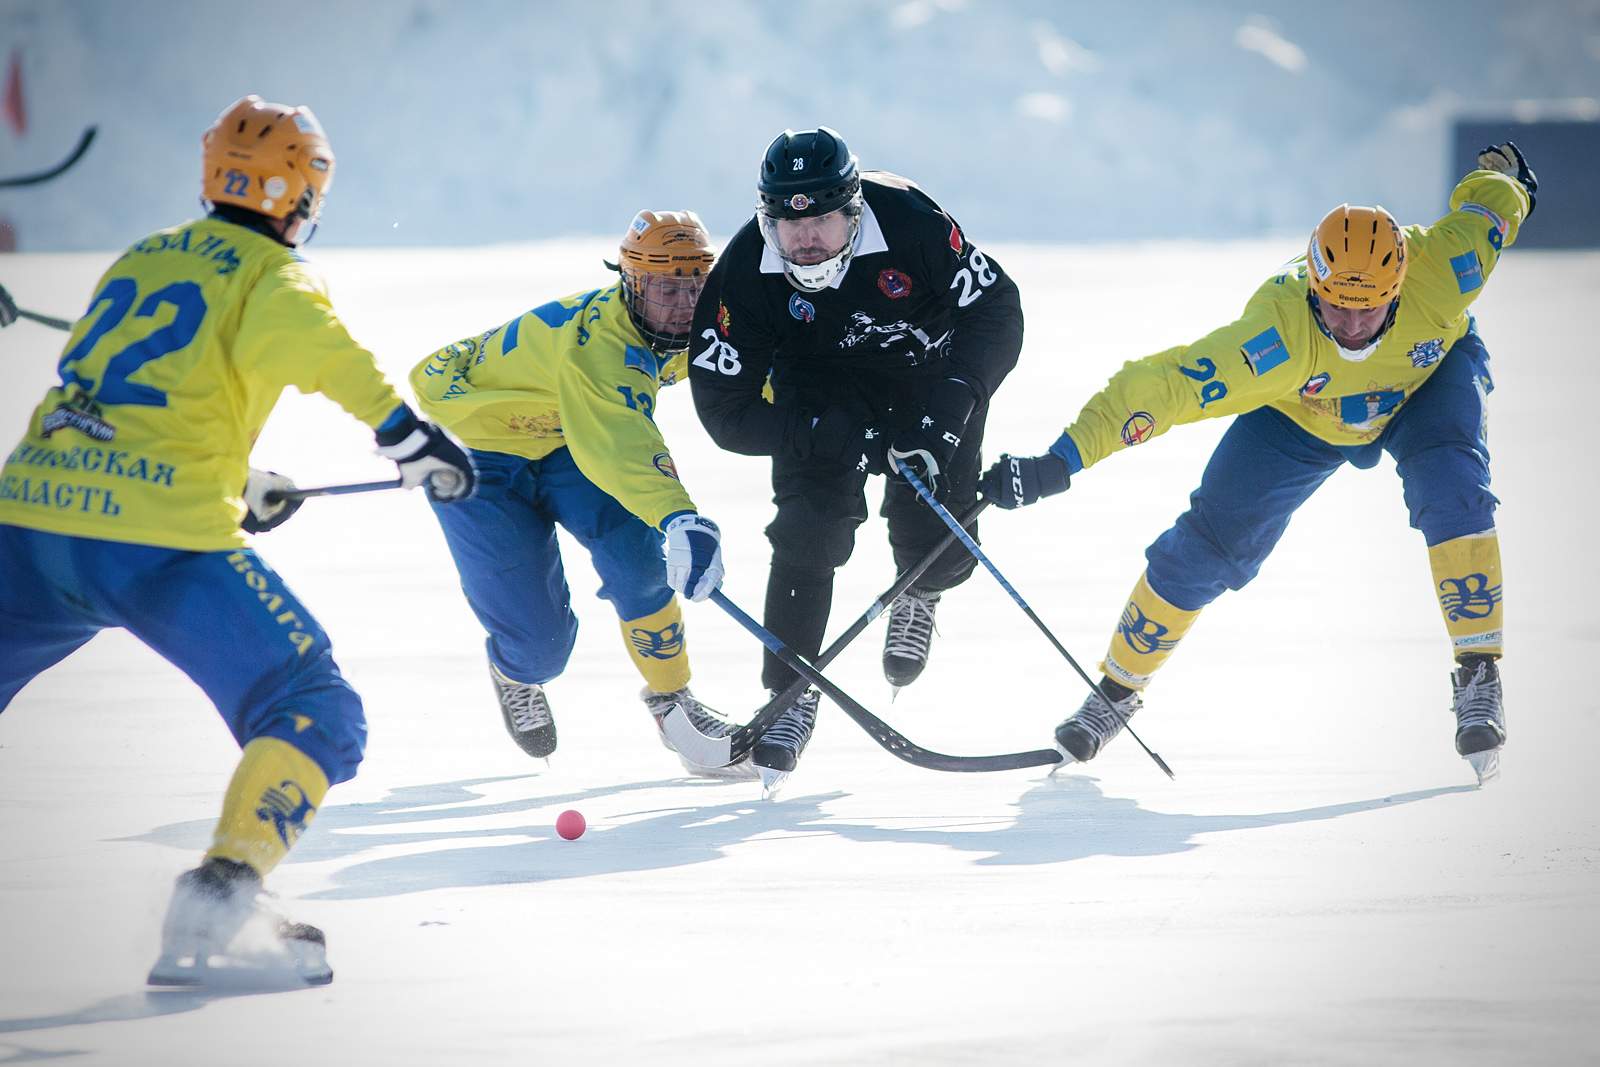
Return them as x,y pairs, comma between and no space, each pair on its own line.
107,382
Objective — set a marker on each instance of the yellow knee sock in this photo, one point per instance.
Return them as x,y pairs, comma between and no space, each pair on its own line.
275,791
657,647
1148,632
1466,579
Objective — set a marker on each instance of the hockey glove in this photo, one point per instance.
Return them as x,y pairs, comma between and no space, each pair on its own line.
1017,481
427,455
694,554
8,308
839,434
261,515
1507,159
927,448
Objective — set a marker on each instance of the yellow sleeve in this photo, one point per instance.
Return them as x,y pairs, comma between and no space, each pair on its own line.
442,376
1241,367
1451,260
289,335
607,399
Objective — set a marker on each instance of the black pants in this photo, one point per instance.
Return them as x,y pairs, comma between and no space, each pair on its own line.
820,504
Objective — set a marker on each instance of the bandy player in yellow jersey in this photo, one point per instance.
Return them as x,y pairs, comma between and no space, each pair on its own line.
1364,346
558,406
122,505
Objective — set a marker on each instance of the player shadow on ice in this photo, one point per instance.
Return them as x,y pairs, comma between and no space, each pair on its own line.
1066,817
675,836
124,1007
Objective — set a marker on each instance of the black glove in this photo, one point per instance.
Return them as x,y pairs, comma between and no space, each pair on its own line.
842,435
1017,481
427,455
927,448
1507,159
8,308
263,516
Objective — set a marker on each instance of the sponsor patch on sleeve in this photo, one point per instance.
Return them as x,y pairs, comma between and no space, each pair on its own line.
1469,272
1264,351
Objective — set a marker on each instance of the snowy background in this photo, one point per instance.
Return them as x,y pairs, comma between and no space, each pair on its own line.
463,123
1322,884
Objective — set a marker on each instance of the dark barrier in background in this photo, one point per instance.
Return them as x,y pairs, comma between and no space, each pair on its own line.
1565,155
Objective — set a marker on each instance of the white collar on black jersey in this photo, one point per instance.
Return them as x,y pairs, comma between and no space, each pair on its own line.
869,239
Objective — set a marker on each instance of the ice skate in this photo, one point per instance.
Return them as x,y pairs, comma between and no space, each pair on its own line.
219,932
1080,738
1480,716
779,748
526,710
706,722
910,634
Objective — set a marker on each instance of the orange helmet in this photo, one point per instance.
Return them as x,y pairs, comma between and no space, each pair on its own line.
664,259
1357,257
269,158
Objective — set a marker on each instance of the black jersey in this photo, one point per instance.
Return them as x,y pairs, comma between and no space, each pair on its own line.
918,303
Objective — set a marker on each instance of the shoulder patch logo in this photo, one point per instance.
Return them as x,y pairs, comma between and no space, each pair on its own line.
955,239
1469,272
1315,384
1265,351
801,308
895,284
663,463
1138,429
1427,353
724,322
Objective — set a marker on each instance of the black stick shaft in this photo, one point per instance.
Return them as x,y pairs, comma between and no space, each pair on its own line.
276,496
46,320
983,558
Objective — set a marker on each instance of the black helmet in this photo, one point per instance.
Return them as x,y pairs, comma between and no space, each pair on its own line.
807,173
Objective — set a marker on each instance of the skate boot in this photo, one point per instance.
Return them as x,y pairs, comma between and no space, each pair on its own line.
905,645
779,748
1094,724
706,722
526,711
1480,717
218,931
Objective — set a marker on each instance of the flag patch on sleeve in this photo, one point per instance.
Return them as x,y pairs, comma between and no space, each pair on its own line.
1469,272
1264,351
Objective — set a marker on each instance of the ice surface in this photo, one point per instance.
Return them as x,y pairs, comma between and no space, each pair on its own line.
1322,883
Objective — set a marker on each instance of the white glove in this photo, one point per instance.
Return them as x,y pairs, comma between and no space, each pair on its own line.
430,457
694,554
263,516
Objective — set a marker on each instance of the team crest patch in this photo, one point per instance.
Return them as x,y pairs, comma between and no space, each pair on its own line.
1315,384
801,308
894,283
663,463
1265,351
799,201
1427,353
286,807
1469,272
658,644
724,321
1138,429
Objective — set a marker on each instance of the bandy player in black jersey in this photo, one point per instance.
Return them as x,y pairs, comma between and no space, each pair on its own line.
883,332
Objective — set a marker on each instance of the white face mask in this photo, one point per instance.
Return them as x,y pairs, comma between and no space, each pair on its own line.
812,277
